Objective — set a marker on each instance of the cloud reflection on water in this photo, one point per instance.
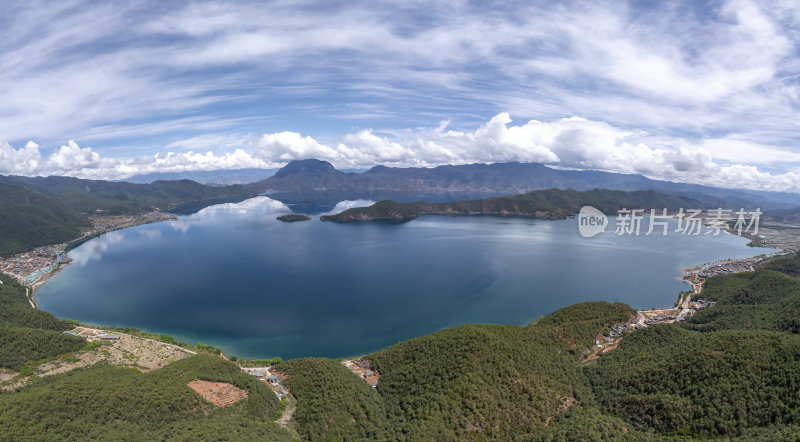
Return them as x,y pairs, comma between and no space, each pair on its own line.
260,205
93,250
341,206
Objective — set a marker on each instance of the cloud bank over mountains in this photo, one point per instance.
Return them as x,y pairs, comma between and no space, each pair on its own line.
569,142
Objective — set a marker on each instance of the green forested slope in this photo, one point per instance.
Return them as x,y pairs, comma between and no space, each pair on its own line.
467,382
332,403
788,264
730,370
27,334
678,381
29,220
119,197
766,300
116,403
37,211
479,381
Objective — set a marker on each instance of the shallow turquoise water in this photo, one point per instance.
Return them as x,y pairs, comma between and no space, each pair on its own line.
234,277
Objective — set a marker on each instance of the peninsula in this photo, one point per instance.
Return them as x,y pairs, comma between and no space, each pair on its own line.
546,204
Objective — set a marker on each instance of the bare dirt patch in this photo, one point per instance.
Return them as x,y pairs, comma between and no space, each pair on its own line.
131,351
143,354
362,369
220,394
9,380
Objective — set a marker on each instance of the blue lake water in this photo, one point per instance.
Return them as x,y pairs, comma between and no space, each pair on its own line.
234,277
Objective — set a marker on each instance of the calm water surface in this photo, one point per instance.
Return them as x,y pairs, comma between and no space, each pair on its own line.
234,277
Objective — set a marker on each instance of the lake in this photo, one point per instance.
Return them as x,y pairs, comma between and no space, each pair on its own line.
234,277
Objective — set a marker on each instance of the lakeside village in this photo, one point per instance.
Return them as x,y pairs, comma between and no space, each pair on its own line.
30,268
684,307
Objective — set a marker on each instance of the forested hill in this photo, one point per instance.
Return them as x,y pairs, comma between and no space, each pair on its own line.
118,197
552,204
29,219
40,211
27,334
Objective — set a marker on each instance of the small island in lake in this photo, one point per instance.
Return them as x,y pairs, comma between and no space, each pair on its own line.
292,217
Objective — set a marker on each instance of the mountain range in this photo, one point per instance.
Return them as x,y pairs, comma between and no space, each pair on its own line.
208,177
450,183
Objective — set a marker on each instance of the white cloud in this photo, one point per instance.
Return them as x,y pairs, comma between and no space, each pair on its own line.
285,146
83,162
19,161
568,142
71,157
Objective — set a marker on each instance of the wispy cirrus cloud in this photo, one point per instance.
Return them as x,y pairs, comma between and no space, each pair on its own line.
698,91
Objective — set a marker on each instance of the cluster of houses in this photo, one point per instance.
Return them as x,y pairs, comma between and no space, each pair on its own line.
105,222
274,380
726,267
363,369
92,334
646,318
662,318
29,267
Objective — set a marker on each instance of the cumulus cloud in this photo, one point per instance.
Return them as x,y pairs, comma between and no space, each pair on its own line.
83,162
71,157
285,146
19,161
568,142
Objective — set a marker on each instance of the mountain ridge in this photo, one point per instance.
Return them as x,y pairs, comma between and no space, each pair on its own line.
38,211
499,179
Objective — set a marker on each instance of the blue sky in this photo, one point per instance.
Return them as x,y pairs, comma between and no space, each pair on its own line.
698,92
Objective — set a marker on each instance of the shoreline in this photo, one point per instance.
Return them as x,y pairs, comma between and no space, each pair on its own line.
691,275
41,282
148,218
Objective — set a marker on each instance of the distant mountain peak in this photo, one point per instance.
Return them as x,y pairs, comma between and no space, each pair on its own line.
377,168
307,166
